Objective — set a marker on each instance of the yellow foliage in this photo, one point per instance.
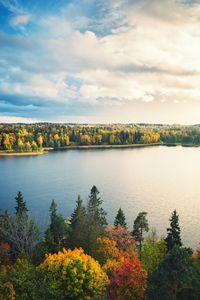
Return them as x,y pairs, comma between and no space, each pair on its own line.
79,273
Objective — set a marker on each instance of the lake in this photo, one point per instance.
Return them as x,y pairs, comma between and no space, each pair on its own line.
153,179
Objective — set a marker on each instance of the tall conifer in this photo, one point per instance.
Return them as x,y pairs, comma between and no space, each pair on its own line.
21,208
173,232
120,219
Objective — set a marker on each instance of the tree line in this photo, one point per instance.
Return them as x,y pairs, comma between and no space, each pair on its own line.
35,137
83,257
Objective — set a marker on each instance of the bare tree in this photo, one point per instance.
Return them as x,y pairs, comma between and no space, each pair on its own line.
21,233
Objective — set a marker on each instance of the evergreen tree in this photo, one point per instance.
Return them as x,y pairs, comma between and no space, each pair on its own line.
95,212
139,227
173,237
95,220
21,208
78,214
174,275
58,230
120,219
78,225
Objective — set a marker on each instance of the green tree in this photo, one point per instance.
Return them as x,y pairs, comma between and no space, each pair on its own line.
58,230
95,219
139,227
152,253
174,274
78,225
120,219
174,233
21,208
22,279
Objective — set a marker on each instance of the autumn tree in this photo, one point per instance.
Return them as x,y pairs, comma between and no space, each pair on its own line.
123,238
120,219
20,145
40,141
173,232
6,142
140,226
129,280
107,249
4,253
72,275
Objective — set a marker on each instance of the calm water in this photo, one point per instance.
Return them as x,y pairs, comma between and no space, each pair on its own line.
156,179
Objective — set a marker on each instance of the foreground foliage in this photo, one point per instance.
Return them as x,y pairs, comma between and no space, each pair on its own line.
73,275
129,280
83,258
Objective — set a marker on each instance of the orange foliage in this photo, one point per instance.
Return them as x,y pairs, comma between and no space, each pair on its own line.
107,248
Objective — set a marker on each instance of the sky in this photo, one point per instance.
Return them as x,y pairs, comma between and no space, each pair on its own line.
100,61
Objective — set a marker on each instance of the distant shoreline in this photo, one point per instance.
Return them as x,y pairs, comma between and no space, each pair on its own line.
21,153
101,146
79,147
73,147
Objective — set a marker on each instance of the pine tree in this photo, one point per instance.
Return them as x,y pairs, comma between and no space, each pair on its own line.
173,232
78,215
57,232
139,227
95,212
120,219
21,208
78,225
95,220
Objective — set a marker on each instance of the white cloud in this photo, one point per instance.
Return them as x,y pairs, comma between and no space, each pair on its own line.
20,20
14,119
153,56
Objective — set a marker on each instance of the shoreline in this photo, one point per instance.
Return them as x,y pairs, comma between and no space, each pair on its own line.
21,153
89,147
101,147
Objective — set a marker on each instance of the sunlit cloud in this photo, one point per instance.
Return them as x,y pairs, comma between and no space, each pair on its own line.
20,20
94,55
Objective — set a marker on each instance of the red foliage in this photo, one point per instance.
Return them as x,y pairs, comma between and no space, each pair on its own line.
122,237
129,280
4,251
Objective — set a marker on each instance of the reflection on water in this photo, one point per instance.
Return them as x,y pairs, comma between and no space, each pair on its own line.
154,179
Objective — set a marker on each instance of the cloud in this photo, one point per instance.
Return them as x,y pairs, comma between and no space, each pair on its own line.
102,54
14,119
13,6
20,20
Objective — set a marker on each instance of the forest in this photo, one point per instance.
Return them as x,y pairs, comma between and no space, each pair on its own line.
36,137
84,257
